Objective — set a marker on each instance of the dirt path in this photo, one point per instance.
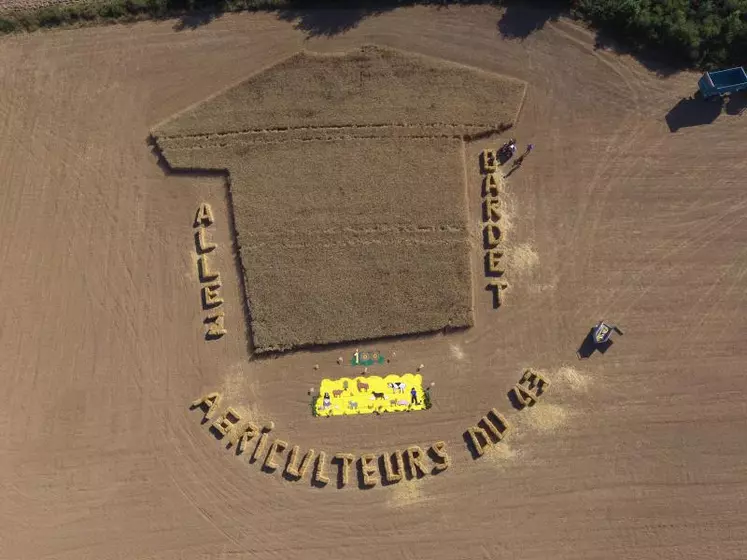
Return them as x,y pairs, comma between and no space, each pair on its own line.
638,454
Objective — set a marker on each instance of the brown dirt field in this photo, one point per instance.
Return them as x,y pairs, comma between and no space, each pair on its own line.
640,454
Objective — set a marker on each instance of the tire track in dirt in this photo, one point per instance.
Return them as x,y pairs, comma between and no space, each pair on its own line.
712,305
625,139
193,502
681,243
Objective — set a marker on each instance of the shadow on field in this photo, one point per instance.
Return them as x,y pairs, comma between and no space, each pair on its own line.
588,346
519,20
658,64
515,401
327,22
327,19
737,103
197,19
693,111
352,344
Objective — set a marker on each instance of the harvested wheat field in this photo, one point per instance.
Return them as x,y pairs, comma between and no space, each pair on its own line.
146,254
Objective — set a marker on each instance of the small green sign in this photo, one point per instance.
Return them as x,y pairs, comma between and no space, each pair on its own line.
367,358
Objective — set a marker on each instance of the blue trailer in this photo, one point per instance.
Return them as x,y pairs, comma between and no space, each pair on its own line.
723,81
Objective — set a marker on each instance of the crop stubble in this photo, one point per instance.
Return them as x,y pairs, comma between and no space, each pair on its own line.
347,239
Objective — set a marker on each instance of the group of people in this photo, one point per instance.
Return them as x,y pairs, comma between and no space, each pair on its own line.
509,149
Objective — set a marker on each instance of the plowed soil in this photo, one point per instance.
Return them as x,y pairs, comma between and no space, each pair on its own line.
638,453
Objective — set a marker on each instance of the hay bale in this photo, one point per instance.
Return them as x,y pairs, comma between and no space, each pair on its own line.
204,216
488,161
491,234
529,388
441,458
500,422
204,272
261,444
249,431
493,266
211,296
211,401
479,440
202,245
305,463
215,325
535,381
491,185
368,469
292,467
497,287
277,446
495,424
320,475
414,462
491,208
269,426
345,460
521,397
392,474
226,422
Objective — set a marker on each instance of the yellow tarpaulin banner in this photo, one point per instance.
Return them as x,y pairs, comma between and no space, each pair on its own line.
396,392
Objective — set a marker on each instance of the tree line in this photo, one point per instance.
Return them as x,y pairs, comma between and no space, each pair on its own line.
691,33
697,33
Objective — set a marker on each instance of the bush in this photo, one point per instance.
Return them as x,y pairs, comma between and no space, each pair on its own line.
51,16
427,399
8,25
113,9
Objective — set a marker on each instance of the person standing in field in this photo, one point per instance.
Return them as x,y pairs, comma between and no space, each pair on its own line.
530,147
